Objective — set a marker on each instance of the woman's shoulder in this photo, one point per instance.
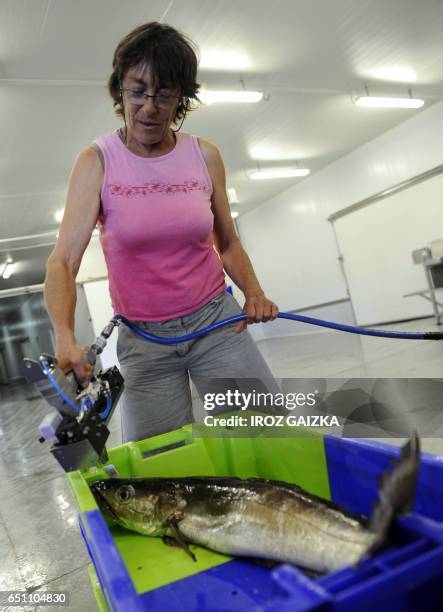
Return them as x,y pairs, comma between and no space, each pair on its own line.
109,137
88,169
102,144
209,150
203,144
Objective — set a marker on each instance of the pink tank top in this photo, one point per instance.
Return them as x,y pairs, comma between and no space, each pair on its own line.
156,229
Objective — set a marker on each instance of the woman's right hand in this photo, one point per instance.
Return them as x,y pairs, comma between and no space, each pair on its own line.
71,356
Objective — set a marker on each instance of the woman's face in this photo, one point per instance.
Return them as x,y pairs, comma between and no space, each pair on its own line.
148,121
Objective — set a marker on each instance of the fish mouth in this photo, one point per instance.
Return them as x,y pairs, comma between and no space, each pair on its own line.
103,502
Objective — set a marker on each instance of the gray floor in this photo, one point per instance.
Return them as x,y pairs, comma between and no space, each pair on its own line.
39,537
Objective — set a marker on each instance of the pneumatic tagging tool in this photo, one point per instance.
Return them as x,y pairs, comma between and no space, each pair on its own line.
78,426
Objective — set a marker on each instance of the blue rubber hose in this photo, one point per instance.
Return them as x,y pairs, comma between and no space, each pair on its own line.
47,371
363,331
105,413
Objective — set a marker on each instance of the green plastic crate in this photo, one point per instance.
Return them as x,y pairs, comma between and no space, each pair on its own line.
150,563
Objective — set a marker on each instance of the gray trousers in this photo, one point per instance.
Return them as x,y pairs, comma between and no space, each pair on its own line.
157,396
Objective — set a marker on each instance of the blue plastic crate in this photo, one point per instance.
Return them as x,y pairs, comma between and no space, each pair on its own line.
406,576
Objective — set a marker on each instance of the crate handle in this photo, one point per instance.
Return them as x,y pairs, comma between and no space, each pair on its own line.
162,449
162,443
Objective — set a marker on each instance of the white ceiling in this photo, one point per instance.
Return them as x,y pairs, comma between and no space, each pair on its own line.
309,57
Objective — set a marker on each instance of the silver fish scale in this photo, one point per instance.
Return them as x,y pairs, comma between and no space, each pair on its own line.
277,525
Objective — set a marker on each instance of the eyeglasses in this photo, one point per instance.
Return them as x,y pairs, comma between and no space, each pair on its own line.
140,97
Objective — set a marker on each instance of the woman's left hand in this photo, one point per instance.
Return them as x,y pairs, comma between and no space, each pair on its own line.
258,309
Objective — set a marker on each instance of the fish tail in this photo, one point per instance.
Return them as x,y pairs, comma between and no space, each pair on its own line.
396,492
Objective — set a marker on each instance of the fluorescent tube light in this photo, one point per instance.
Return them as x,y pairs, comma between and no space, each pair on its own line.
208,96
4,265
379,102
8,269
271,174
234,214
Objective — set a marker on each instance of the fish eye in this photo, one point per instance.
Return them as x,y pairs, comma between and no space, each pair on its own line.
126,493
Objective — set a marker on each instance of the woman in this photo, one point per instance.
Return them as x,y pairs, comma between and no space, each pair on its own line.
159,198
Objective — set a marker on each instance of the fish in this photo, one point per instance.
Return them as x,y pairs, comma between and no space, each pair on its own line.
260,518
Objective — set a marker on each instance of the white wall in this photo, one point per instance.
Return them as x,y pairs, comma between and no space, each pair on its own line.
289,239
100,309
396,225
93,264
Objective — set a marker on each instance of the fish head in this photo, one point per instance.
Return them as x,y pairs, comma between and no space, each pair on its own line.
134,505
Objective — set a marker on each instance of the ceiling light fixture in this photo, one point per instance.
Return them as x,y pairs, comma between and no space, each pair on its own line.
257,175
7,269
234,214
383,102
208,96
380,102
58,216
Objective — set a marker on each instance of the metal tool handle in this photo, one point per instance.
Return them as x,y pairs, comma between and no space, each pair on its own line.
100,342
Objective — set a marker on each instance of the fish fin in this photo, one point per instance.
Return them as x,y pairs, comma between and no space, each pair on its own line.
396,492
170,541
179,538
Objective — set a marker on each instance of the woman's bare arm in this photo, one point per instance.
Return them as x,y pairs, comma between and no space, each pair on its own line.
80,216
235,259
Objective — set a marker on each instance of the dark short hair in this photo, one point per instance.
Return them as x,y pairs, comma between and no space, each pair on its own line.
172,56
